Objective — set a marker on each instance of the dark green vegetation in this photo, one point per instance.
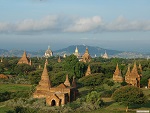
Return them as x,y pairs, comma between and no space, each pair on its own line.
95,91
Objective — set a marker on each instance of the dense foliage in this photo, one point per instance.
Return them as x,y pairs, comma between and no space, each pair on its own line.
129,95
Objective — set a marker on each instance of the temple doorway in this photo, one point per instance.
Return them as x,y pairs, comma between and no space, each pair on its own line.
53,103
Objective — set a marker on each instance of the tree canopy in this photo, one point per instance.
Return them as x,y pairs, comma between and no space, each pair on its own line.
129,95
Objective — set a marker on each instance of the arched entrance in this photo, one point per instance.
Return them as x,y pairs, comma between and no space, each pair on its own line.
53,103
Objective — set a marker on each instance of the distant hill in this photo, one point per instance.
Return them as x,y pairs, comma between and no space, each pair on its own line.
70,50
92,50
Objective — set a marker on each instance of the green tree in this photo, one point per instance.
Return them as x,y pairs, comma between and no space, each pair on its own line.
129,95
110,83
80,69
92,80
94,98
70,63
23,69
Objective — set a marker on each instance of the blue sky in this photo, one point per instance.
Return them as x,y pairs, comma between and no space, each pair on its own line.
110,24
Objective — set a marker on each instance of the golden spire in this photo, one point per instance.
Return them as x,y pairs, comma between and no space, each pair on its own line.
59,60
134,71
117,71
86,51
88,72
24,55
128,71
67,83
24,59
140,67
45,77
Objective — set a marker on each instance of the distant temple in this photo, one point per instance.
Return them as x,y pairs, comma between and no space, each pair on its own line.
117,77
24,59
76,53
59,60
133,78
64,56
55,96
48,52
88,72
105,55
86,57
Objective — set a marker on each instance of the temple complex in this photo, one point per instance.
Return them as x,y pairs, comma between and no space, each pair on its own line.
133,78
48,52
86,57
105,55
24,59
117,77
88,72
76,53
55,96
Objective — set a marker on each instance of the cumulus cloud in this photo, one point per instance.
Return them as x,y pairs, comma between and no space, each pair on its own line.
122,24
61,23
49,22
85,24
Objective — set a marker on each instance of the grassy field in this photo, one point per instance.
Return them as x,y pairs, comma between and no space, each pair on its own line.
14,87
110,105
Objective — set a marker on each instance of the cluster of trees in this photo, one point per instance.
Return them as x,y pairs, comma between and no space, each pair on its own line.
100,67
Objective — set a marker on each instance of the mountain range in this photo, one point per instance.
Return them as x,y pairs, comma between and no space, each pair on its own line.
94,51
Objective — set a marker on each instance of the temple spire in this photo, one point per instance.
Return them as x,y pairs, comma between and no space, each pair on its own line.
45,76
88,72
117,71
67,83
24,59
59,60
76,50
134,70
128,71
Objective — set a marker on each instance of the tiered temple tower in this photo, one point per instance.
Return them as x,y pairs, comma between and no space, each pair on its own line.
117,77
86,57
24,59
133,78
42,90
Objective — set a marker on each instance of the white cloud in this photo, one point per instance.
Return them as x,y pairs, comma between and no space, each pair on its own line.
85,24
122,24
61,23
46,23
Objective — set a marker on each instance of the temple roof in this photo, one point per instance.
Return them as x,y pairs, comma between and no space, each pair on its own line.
62,85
